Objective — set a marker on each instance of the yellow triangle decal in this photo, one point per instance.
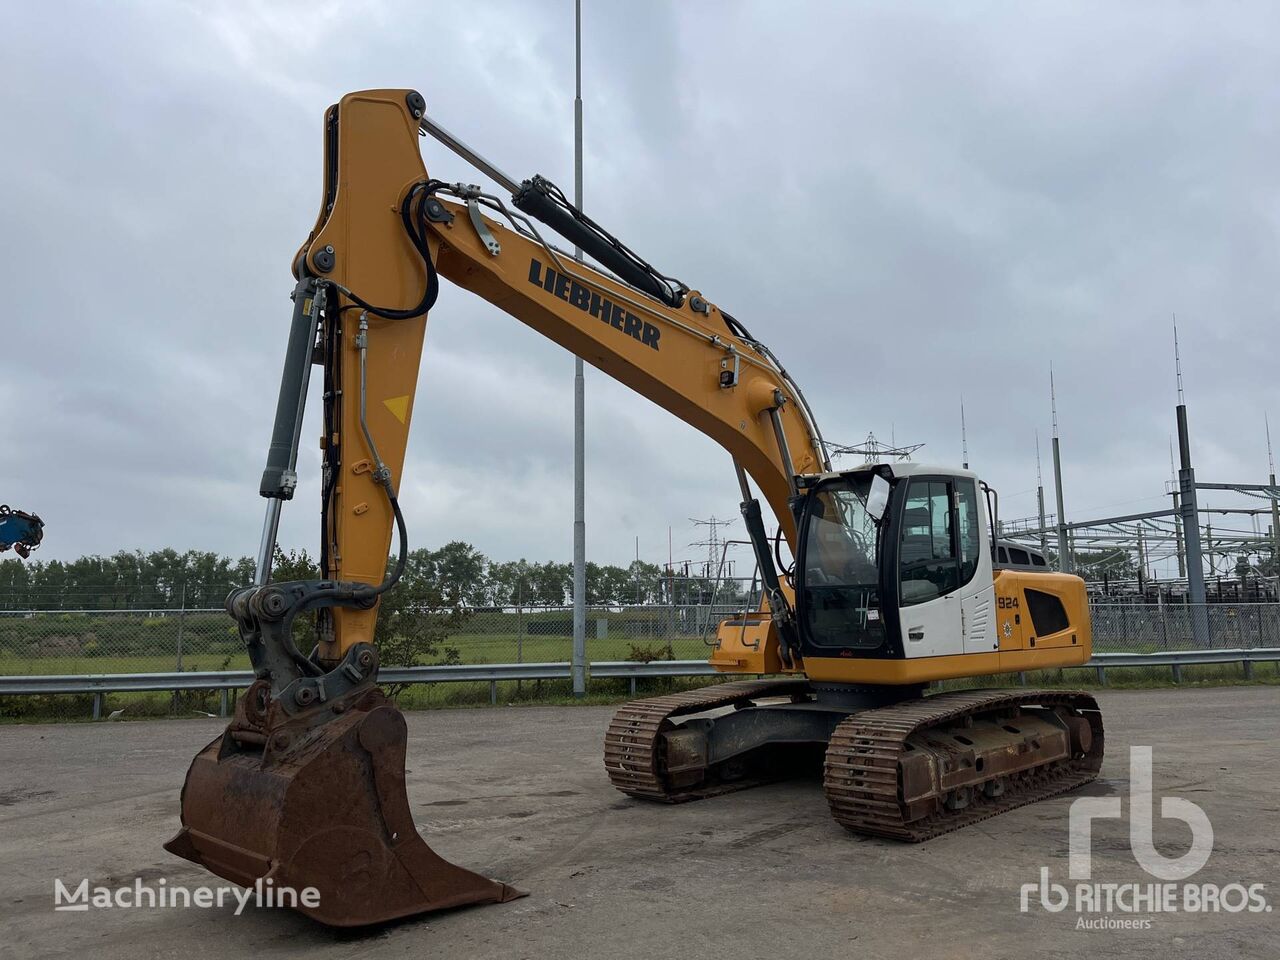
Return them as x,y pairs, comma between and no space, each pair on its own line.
399,407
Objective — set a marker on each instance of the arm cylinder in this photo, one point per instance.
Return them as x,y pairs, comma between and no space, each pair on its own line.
533,200
778,606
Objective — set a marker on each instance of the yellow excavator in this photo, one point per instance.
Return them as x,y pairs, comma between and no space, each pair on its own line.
893,585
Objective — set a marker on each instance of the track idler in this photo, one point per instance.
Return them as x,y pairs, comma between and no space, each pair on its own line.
317,799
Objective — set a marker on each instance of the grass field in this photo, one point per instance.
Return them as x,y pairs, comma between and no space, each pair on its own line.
472,648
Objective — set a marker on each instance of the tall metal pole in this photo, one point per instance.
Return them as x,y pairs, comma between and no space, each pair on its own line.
182,617
1142,564
1177,517
579,409
1044,533
1191,531
1190,514
1275,503
1064,554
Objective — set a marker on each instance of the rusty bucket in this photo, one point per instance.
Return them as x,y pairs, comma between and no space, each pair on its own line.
321,803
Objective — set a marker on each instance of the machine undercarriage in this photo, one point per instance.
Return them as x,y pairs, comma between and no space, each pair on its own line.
893,763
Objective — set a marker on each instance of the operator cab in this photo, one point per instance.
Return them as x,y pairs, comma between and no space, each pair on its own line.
891,559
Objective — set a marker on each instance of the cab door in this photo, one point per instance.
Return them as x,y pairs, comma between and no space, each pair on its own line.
929,604
977,584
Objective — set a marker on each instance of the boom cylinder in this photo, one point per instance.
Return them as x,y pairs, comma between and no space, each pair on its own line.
280,477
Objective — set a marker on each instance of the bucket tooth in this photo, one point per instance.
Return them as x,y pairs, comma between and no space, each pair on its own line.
322,806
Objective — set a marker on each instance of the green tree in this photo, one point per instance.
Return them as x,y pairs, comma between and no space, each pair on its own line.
414,620
552,583
609,584
294,565
511,584
645,582
15,584
1115,564
460,574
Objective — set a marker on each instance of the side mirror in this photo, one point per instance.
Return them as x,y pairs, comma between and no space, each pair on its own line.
878,498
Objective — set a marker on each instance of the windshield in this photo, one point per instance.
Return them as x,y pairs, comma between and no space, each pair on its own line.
840,575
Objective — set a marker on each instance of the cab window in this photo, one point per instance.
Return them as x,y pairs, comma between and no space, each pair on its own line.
928,559
969,527
840,567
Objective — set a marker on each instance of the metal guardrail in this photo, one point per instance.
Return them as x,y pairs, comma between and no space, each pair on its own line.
1177,659
239,679
227,680
612,669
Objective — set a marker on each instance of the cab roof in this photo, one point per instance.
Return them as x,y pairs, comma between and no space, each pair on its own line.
905,468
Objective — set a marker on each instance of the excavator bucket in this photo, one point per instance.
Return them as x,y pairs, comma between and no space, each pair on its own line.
322,805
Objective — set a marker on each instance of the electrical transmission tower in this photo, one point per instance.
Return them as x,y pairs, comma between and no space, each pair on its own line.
873,451
714,544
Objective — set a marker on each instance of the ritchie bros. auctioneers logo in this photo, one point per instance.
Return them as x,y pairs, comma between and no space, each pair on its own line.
1098,903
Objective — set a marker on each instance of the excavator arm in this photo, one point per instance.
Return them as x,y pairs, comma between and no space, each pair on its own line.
382,215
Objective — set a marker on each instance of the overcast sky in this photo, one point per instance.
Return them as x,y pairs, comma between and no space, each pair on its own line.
907,204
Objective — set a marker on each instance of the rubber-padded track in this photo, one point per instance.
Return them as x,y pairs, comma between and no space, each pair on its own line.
861,776
633,745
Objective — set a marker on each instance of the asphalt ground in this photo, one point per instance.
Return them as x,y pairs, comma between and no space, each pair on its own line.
520,794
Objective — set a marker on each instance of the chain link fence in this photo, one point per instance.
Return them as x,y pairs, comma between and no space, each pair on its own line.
153,641
1156,628
162,640
173,639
